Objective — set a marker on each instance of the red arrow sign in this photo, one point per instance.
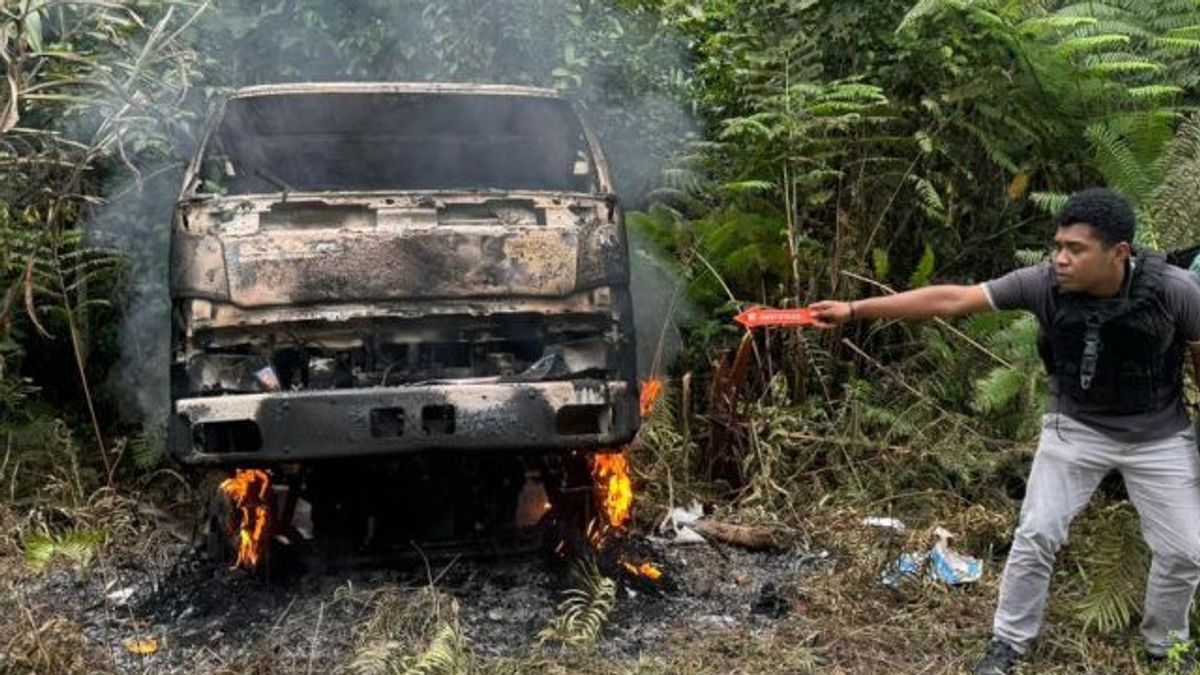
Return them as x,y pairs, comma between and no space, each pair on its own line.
765,316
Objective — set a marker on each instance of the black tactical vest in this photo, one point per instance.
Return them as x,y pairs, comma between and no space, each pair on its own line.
1115,356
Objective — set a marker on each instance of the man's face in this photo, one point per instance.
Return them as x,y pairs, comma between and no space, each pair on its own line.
1083,263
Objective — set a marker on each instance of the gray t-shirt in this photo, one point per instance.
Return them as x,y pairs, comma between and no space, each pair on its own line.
1032,289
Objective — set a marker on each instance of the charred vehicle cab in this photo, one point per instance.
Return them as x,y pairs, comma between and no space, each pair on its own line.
372,270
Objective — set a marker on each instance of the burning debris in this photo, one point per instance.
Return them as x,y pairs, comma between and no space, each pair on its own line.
614,497
644,570
248,492
614,490
651,390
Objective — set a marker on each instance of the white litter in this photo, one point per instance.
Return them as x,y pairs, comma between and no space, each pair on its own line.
677,525
880,521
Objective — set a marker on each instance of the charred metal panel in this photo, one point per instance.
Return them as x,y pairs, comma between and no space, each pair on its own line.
324,266
198,267
603,255
329,424
226,316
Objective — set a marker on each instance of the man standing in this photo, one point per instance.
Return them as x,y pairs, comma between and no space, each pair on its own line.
1116,323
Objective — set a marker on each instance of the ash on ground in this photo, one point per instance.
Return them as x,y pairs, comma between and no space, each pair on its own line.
190,615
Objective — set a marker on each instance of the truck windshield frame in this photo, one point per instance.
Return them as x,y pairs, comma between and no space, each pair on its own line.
366,142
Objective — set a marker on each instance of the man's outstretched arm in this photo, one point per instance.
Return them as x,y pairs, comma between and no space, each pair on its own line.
920,303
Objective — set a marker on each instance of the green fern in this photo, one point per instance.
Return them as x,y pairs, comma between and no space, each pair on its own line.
1049,202
1113,562
1088,43
447,654
148,448
924,270
584,611
78,547
1175,207
381,658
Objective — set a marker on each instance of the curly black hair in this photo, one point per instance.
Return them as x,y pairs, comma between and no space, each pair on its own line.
1106,211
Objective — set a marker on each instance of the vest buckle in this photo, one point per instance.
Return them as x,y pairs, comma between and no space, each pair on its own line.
1091,352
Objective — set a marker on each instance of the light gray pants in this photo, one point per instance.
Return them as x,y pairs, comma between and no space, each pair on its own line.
1163,481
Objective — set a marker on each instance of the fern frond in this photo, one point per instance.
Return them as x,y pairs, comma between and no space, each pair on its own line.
78,547
1119,165
1114,563
377,659
1090,43
584,610
1179,45
1049,202
447,654
924,269
1042,25
1000,388
1113,64
1153,92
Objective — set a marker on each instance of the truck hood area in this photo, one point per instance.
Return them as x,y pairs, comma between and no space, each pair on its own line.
262,251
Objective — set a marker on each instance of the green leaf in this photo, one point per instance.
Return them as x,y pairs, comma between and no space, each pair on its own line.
931,201
1045,24
1049,202
924,271
77,546
1089,43
1179,44
1154,91
748,187
924,142
879,260
33,26
1124,67
1000,388
1113,561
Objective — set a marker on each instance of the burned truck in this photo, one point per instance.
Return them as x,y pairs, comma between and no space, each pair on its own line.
383,270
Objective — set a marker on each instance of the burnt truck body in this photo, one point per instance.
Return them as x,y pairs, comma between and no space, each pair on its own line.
364,270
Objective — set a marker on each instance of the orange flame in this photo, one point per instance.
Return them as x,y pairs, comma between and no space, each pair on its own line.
651,388
611,472
248,490
643,570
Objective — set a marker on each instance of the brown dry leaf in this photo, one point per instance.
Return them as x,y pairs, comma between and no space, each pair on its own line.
141,646
1018,186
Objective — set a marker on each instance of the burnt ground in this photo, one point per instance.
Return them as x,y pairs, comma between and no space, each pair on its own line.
719,609
329,615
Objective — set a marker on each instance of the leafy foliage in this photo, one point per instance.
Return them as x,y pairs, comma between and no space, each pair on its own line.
79,547
93,92
1017,386
584,611
1115,560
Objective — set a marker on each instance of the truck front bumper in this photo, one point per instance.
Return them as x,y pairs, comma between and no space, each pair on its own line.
255,429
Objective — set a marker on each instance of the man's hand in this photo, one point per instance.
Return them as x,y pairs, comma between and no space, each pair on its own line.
830,313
